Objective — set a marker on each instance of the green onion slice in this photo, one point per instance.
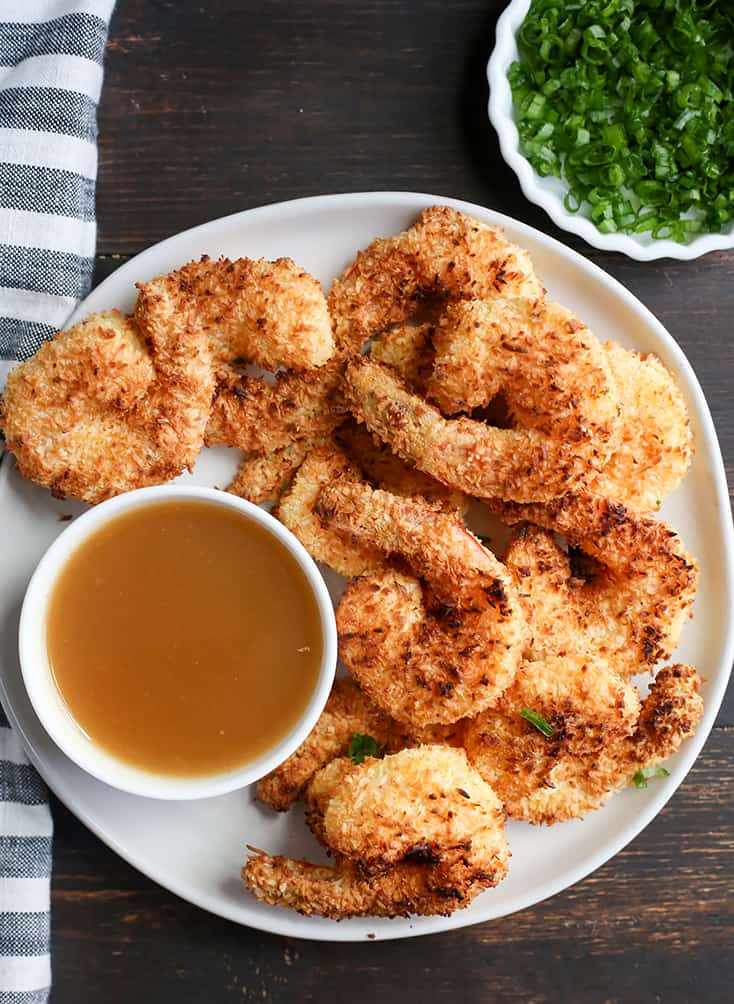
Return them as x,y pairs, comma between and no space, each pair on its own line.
643,776
538,721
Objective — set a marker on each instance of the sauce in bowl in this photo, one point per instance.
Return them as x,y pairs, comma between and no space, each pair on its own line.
184,638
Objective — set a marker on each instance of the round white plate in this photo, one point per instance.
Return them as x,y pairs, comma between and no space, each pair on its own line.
196,849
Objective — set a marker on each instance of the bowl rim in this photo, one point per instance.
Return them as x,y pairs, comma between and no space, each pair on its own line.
500,115
57,718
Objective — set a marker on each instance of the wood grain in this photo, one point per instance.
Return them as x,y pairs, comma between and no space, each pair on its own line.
212,108
652,924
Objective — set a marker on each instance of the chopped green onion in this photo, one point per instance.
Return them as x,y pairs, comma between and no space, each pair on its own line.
632,105
642,776
362,746
538,721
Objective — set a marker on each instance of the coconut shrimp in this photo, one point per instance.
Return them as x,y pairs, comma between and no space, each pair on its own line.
601,735
418,832
656,444
463,453
101,409
444,255
263,477
268,313
324,466
348,711
424,654
554,374
628,603
351,459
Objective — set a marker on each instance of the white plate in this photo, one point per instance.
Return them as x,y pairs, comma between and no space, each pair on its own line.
550,192
195,849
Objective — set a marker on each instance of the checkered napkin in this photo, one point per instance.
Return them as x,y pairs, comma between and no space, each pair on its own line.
51,55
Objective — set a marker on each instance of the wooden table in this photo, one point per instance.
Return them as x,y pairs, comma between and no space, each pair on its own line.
215,108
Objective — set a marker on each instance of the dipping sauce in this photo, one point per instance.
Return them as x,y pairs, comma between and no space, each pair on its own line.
184,638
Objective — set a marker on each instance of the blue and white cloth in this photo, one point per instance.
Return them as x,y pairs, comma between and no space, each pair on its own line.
51,55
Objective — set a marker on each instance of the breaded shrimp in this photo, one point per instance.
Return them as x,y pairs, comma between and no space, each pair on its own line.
444,255
629,608
96,412
593,751
323,466
428,654
263,477
384,470
554,374
656,442
462,453
348,711
416,833
407,350
268,313
258,417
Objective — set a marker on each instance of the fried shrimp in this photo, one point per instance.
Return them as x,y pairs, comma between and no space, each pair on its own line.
424,654
348,711
419,832
656,444
269,313
628,604
444,255
262,477
97,411
324,466
384,470
408,351
554,374
464,454
596,746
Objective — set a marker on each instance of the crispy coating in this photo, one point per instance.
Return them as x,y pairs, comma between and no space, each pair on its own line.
419,832
629,606
408,350
256,416
554,374
268,313
428,653
462,453
384,470
348,710
263,477
444,255
656,445
589,756
96,412
325,543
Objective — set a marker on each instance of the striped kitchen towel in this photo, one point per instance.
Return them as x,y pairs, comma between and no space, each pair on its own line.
51,54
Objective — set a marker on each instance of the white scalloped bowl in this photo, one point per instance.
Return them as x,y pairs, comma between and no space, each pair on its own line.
549,192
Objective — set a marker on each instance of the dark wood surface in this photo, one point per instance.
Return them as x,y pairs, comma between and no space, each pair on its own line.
212,108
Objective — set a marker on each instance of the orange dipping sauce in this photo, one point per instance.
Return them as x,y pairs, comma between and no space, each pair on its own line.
184,638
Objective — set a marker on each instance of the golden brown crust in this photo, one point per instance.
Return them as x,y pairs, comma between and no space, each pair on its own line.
444,255
462,453
418,832
270,313
589,757
263,477
554,374
433,653
347,711
96,412
323,466
656,443
639,595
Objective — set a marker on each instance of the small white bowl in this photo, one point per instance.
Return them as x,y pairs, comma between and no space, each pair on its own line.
550,192
52,709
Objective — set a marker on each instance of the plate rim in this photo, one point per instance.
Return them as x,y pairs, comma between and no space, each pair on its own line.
278,921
